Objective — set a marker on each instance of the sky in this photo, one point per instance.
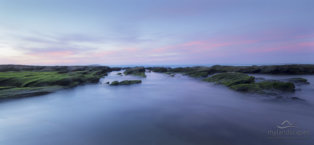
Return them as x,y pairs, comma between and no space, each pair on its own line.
156,32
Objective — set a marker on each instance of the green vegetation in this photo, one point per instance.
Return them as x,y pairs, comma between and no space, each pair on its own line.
158,69
252,88
31,83
265,85
200,71
28,91
198,74
125,82
277,85
298,80
230,79
245,83
38,79
137,71
23,81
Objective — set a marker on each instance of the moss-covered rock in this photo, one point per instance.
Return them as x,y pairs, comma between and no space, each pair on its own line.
277,85
265,69
130,82
15,92
125,82
120,74
252,88
30,83
260,87
198,74
158,69
114,83
245,83
298,80
137,71
52,78
230,79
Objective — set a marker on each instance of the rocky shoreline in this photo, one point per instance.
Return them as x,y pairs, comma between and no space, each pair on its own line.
25,81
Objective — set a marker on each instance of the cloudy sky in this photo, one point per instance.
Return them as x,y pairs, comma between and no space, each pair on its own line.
124,32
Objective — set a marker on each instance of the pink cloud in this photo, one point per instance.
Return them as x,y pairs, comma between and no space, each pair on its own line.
49,58
201,46
307,44
65,53
283,47
219,48
193,43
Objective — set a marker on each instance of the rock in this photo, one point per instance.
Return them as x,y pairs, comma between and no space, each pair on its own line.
138,71
245,83
170,74
264,69
298,81
230,79
259,79
125,82
114,83
159,69
253,88
198,74
277,85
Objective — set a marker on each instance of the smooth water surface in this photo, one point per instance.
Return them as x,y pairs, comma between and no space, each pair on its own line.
163,110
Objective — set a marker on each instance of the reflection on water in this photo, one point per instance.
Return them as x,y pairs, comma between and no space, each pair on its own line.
163,110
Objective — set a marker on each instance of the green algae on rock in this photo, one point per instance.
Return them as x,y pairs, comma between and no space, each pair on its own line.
125,82
137,71
277,85
245,83
14,84
298,80
230,79
293,69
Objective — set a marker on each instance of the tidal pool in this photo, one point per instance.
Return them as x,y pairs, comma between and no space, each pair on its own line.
163,110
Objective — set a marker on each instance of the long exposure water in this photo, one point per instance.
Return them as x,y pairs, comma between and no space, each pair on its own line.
163,110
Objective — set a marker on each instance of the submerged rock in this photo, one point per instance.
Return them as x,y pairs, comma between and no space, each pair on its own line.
170,74
125,82
259,79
